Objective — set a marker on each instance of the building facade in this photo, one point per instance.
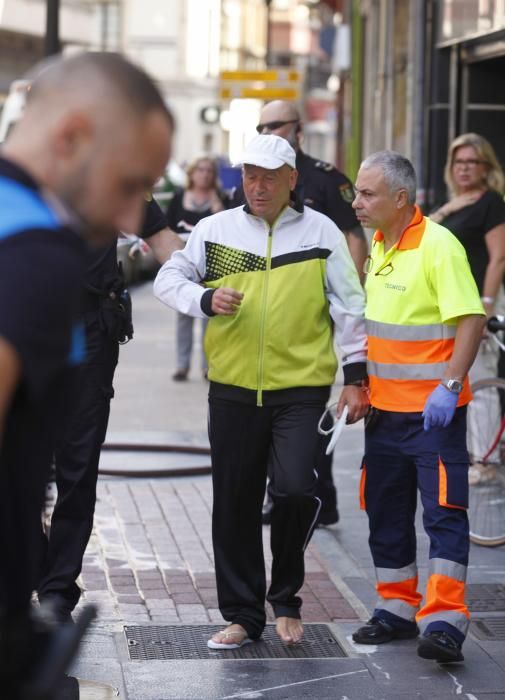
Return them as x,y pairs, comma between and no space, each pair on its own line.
423,72
22,30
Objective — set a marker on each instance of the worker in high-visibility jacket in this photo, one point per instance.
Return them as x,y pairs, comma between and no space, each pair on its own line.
424,323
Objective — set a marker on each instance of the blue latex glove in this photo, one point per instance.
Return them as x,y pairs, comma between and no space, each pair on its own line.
439,408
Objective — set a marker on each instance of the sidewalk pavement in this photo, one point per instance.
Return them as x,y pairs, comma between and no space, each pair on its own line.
149,562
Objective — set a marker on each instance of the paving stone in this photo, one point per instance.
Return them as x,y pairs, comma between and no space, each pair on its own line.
191,609
186,598
130,590
95,585
121,579
205,580
176,574
132,608
151,584
160,604
159,594
91,569
149,574
185,586
126,598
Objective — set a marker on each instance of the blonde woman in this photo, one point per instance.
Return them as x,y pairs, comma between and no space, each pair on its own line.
475,213
199,199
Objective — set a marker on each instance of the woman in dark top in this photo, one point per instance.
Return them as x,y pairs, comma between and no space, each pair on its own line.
475,213
199,199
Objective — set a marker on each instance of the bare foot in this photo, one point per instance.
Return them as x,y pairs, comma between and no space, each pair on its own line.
233,636
289,629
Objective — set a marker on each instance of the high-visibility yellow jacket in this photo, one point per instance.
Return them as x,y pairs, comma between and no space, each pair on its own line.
416,292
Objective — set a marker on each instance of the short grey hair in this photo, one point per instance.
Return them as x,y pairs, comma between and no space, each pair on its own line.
399,173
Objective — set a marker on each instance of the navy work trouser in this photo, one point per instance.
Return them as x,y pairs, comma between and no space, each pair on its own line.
244,438
400,458
76,459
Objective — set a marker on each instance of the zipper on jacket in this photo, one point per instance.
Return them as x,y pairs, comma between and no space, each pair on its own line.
261,357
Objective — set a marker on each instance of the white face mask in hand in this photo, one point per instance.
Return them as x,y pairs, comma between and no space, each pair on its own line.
336,430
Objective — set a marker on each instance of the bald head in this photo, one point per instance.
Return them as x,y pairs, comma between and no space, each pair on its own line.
280,109
282,118
97,133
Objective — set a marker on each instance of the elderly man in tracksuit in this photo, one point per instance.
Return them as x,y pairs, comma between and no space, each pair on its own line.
269,275
424,323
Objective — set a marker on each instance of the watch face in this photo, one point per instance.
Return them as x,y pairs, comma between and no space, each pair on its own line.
454,385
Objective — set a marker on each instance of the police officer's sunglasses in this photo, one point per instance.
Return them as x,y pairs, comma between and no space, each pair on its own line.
273,126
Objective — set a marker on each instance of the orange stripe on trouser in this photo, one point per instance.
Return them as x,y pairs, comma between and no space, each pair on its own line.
442,487
443,593
407,395
400,590
362,483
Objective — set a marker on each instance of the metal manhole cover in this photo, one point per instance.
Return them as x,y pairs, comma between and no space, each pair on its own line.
485,597
488,628
190,642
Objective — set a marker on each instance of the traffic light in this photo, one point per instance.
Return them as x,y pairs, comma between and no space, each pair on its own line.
210,114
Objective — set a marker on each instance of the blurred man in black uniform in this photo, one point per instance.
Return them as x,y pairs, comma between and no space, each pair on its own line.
106,316
324,188
71,170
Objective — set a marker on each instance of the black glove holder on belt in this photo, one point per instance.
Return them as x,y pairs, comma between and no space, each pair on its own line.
115,310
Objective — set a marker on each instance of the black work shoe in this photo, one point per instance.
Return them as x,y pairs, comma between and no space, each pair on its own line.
439,646
377,631
328,517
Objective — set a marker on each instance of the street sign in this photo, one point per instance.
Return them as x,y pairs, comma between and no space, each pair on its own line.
269,84
271,93
269,75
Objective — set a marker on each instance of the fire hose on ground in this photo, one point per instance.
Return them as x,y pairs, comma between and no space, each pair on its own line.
156,448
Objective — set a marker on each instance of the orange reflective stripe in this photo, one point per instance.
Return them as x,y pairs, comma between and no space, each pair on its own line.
362,482
442,487
444,593
400,590
409,351
405,395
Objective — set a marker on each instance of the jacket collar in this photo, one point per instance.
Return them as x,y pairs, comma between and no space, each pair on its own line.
412,236
13,171
66,216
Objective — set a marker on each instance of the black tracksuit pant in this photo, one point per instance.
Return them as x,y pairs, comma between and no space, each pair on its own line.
76,459
244,438
326,490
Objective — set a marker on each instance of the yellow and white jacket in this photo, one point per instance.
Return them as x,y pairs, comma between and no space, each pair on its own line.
293,275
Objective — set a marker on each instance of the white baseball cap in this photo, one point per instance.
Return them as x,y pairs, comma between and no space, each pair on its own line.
268,151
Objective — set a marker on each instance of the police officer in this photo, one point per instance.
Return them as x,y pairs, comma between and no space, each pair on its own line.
87,405
323,188
61,181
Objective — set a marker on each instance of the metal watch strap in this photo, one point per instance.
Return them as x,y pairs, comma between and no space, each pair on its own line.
452,385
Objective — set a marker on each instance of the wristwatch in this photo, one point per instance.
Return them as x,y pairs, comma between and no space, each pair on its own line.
453,385
362,383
